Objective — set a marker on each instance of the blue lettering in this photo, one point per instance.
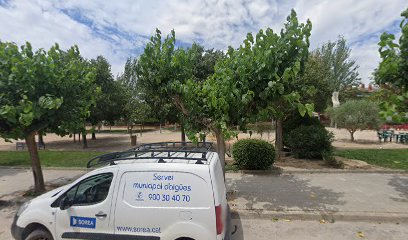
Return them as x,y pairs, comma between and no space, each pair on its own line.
157,177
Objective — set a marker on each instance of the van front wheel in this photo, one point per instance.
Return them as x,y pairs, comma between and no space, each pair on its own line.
39,235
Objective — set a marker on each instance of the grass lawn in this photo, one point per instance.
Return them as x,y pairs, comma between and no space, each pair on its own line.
48,158
390,158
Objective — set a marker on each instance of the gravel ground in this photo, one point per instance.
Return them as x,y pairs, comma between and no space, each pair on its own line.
118,141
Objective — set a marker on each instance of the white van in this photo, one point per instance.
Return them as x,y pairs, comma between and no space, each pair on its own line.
166,191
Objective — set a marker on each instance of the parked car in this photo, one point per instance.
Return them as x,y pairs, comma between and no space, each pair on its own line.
167,191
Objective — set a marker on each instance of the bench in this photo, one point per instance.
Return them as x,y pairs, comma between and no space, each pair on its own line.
23,145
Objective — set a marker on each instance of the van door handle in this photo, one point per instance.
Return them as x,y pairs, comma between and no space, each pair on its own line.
101,215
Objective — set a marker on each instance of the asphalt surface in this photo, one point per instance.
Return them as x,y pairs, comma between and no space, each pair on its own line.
342,196
283,229
288,206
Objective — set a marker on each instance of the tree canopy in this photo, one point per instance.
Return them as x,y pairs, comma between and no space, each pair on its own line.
110,101
392,73
317,74
357,115
343,71
43,90
261,74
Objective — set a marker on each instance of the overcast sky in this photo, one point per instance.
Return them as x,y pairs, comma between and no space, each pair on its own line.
120,29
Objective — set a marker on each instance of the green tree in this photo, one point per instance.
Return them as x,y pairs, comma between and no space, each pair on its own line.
343,69
317,74
259,76
392,73
203,61
110,102
195,63
357,115
40,91
268,69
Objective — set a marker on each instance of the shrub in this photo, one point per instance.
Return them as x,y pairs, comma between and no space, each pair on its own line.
310,141
330,160
253,154
296,120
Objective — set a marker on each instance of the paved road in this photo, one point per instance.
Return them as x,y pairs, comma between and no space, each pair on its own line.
346,193
13,181
355,193
266,229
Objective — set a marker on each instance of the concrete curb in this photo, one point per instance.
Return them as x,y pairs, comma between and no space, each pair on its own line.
321,215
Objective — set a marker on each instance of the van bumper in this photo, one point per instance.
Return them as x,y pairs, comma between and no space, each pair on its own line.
16,231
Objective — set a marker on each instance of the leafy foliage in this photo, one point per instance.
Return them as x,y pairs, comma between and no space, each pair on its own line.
136,110
392,73
110,101
343,70
40,90
261,75
310,141
357,115
317,74
294,121
253,154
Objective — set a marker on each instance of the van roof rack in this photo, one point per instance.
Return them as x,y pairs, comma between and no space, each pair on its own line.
156,149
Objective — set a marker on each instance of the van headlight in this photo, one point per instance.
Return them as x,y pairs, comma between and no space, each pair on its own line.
23,208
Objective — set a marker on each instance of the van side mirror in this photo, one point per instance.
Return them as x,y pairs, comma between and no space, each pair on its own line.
65,203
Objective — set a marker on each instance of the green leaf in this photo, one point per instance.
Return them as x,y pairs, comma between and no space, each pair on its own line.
302,109
26,119
310,108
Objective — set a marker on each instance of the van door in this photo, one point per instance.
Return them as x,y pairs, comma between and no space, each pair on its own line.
164,205
88,216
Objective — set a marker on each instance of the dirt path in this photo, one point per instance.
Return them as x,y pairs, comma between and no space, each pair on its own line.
121,141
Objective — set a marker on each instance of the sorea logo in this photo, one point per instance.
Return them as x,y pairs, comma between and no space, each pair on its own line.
83,222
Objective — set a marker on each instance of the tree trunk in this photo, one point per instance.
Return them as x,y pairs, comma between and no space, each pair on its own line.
352,135
93,133
74,137
84,141
221,148
183,134
278,139
141,129
160,127
40,138
39,186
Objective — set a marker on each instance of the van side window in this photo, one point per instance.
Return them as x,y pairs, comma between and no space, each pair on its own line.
90,191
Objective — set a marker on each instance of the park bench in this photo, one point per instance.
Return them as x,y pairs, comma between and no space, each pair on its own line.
385,135
23,146
402,138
